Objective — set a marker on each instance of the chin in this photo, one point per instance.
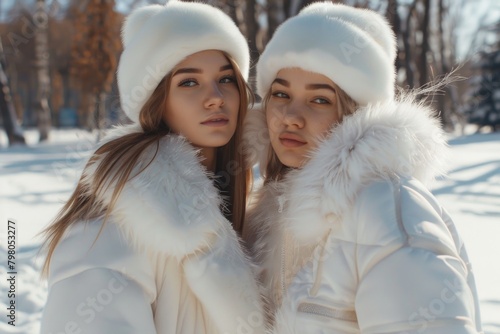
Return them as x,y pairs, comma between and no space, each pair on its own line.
222,141
291,160
213,142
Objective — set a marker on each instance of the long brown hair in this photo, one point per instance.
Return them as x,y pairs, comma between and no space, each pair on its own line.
119,157
275,170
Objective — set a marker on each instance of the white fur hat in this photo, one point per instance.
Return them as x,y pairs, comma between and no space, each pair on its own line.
156,38
353,47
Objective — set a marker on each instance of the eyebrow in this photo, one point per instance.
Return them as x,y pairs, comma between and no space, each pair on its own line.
197,70
320,86
225,67
282,82
308,87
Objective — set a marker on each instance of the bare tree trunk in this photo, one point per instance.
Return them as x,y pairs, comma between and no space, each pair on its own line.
422,67
441,101
288,8
442,48
395,21
409,68
232,10
293,7
275,15
41,20
7,113
252,30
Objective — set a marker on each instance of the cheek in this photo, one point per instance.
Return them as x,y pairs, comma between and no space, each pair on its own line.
235,104
323,123
173,115
322,128
172,100
232,98
182,100
274,120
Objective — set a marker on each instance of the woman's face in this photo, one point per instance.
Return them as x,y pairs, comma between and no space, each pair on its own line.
203,99
301,109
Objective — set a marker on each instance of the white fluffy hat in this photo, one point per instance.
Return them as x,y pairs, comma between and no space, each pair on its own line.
353,47
156,38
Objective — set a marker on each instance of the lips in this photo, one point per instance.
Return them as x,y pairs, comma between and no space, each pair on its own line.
291,140
216,120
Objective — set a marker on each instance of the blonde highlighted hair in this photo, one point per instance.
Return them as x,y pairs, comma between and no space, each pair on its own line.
119,157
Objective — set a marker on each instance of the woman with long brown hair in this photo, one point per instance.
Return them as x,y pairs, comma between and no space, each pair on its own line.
149,240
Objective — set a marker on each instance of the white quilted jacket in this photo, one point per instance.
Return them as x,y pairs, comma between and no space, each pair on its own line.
354,242
166,262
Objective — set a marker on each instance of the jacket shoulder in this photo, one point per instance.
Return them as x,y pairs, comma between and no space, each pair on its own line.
90,245
402,210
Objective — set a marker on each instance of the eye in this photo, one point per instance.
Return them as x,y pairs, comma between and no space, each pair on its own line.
188,83
228,79
321,100
279,95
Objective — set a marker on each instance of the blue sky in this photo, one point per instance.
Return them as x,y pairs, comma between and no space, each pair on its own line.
474,14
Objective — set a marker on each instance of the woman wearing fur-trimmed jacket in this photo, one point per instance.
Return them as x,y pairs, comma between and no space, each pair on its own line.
149,240
347,237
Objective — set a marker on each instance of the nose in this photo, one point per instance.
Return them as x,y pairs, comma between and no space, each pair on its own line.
215,98
292,115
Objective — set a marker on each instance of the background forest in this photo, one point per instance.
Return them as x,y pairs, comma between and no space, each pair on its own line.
58,57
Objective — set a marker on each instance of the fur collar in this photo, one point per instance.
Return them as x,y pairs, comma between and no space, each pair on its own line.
171,207
377,142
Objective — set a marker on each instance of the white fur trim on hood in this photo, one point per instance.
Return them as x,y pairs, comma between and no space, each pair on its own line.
353,47
171,207
156,38
376,142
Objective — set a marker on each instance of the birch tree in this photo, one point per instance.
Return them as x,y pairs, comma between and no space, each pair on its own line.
43,114
7,112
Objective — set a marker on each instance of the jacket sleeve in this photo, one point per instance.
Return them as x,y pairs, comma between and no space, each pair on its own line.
412,278
98,284
97,301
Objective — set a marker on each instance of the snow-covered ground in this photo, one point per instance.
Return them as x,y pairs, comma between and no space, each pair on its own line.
36,180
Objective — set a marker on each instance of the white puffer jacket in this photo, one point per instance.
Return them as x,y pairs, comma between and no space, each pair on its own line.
353,242
166,262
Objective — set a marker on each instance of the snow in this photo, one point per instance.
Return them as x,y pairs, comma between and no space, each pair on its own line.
34,183
37,179
471,194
